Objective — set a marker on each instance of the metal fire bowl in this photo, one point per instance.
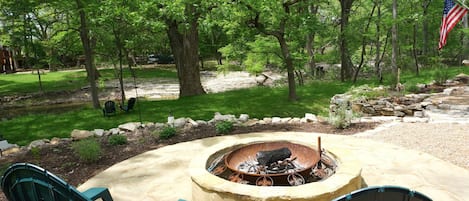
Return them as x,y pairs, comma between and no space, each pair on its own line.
305,156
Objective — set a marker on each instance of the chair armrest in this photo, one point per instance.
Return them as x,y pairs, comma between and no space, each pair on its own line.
95,193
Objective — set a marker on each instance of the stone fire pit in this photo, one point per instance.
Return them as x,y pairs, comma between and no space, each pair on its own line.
206,186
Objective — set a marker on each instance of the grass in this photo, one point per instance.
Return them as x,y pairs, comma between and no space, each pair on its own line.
258,102
69,80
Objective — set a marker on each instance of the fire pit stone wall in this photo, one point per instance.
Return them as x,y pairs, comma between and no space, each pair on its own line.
208,187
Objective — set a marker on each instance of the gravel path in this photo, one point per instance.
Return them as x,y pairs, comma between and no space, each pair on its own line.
447,141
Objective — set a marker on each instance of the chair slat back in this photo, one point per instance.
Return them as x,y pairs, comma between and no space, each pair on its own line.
27,182
384,193
131,103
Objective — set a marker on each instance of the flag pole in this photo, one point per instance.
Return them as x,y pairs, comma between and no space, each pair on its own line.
463,3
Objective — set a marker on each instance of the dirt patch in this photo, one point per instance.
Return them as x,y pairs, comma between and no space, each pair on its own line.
62,161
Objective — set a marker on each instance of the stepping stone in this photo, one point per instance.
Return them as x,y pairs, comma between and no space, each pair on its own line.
4,145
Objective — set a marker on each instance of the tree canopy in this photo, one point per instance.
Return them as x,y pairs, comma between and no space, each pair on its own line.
290,35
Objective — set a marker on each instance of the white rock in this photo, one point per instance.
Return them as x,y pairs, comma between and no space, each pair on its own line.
448,91
310,117
465,62
227,117
303,120
267,120
295,120
114,131
419,114
201,122
285,120
131,126
98,132
251,122
243,117
81,134
180,122
55,141
276,120
38,143
192,122
4,145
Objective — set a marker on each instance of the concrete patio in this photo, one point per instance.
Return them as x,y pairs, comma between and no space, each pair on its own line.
163,174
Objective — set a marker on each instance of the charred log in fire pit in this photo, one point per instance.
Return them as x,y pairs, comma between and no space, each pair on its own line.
273,156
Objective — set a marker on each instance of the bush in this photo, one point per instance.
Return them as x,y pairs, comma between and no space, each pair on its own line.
4,167
36,152
117,140
341,116
412,88
167,132
88,150
441,74
224,127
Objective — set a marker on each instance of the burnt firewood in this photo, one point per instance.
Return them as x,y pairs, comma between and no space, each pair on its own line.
272,156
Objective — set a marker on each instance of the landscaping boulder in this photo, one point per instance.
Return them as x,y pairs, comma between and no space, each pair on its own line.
465,62
243,117
310,117
192,122
219,117
201,122
131,126
38,143
462,77
179,122
81,134
276,120
4,146
98,132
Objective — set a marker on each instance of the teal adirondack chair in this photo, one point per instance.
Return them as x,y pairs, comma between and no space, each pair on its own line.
384,193
28,182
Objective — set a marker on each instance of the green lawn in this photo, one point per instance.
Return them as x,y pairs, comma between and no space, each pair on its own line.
258,102
23,83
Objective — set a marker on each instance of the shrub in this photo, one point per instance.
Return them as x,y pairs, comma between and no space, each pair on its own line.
4,167
412,88
341,116
88,150
36,152
117,140
167,132
224,127
441,75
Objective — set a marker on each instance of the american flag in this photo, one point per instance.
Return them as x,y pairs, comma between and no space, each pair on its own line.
452,13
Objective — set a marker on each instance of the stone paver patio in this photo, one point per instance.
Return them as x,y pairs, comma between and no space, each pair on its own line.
163,174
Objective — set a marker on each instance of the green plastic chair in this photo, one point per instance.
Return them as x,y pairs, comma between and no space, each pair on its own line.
109,108
129,106
28,182
384,193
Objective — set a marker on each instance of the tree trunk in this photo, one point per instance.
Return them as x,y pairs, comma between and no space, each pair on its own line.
186,56
290,69
425,45
120,47
395,68
378,45
345,60
310,44
364,42
85,40
414,50
465,23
